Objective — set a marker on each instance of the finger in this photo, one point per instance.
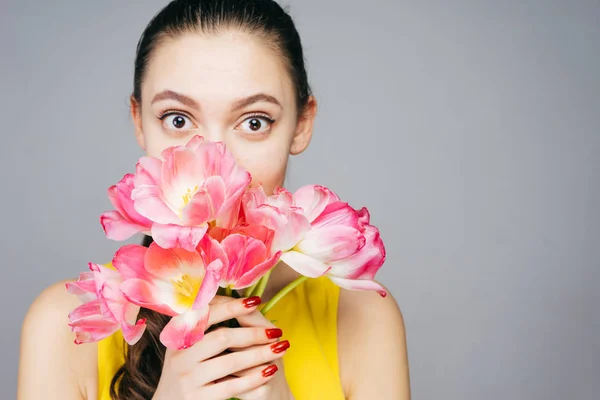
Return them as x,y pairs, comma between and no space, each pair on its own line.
237,386
223,310
263,391
250,371
254,318
219,340
221,299
229,364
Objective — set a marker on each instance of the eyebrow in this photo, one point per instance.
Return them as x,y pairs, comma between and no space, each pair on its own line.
188,101
183,99
254,99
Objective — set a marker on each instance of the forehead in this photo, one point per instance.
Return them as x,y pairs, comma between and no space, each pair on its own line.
221,67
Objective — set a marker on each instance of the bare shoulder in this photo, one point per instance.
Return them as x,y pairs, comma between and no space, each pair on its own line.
372,337
51,366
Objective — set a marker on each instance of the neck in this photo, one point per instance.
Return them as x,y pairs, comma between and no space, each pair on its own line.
281,276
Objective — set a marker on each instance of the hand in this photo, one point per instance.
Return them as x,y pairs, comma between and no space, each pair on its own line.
274,389
198,372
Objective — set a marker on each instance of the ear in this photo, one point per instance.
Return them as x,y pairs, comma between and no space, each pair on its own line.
136,116
304,127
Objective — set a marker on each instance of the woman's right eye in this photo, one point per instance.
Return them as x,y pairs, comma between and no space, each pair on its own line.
175,121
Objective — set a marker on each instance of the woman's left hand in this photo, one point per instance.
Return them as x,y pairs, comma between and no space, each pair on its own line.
276,388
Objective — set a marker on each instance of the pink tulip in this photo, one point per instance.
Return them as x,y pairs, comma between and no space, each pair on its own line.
357,271
174,282
313,199
288,222
312,232
338,240
124,222
105,309
245,252
334,235
196,185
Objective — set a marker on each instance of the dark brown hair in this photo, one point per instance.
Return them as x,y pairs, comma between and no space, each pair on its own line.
138,378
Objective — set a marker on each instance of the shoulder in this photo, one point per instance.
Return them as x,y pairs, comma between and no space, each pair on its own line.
371,334
48,355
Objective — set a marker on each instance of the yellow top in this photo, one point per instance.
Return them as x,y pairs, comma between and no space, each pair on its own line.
308,317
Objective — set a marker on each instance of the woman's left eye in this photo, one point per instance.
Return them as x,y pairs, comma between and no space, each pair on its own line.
256,124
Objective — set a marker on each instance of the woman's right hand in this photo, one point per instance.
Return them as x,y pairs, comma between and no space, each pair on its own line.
204,372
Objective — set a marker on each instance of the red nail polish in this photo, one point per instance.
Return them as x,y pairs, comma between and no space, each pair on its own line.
280,346
251,302
269,371
274,333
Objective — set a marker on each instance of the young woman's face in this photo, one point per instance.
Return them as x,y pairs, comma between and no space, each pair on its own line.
228,87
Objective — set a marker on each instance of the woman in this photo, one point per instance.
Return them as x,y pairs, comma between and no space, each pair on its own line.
231,71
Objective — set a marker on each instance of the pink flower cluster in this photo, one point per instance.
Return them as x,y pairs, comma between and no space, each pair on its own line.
212,229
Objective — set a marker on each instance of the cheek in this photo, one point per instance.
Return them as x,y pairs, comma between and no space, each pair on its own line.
266,163
270,173
156,140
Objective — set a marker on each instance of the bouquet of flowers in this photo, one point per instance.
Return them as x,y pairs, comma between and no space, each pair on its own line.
213,231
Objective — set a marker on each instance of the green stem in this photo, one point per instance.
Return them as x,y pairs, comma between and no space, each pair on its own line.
262,285
282,293
248,292
229,291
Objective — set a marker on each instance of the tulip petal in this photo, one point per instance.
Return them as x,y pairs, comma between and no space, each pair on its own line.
148,172
169,264
304,264
229,212
182,173
117,227
337,213
266,215
331,243
171,235
313,199
85,310
359,284
144,294
84,288
120,197
211,250
241,251
206,203
184,330
258,232
113,197
210,285
93,330
366,262
132,330
363,216
149,204
195,143
258,271
293,232
129,261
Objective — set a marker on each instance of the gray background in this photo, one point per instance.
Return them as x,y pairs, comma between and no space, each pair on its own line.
470,129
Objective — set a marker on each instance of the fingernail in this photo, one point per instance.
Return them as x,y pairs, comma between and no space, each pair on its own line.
251,302
280,346
274,333
269,371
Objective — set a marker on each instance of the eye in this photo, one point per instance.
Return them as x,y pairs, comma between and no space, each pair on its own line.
256,124
176,121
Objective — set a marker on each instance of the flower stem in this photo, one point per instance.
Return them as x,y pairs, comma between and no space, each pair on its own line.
282,293
248,292
262,285
229,291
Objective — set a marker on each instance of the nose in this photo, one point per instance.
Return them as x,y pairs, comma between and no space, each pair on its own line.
213,134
